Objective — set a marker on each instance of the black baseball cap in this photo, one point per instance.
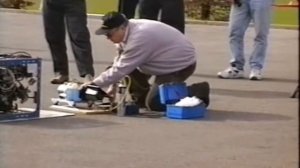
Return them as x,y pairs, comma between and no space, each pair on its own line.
111,20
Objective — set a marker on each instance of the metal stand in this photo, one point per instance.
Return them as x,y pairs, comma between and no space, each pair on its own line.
98,107
21,69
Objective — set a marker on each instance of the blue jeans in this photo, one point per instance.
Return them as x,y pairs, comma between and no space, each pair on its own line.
258,11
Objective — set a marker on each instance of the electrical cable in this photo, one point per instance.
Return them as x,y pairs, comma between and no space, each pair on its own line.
126,93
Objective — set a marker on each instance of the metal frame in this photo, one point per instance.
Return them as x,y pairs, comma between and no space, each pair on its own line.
22,113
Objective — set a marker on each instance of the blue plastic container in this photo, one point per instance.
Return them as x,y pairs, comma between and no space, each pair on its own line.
73,95
131,109
172,92
193,112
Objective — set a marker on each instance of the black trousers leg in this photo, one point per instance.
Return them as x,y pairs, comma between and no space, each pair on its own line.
153,98
147,95
127,7
139,86
172,13
76,21
149,9
54,27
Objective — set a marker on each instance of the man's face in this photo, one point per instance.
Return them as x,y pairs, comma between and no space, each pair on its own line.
116,35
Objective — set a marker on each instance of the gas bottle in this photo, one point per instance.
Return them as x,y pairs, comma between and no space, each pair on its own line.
120,97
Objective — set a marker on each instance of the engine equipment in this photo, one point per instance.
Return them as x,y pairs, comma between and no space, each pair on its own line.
19,82
92,99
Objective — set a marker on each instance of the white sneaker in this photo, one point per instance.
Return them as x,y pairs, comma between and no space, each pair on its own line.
255,74
231,73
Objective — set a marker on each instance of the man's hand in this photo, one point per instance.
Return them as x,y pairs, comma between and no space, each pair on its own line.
111,91
84,85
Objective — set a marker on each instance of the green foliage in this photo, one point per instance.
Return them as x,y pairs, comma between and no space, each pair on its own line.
285,16
101,6
16,4
217,10
93,6
196,9
220,10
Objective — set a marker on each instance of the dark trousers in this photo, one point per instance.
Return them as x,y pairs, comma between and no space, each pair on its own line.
148,95
172,12
71,14
127,7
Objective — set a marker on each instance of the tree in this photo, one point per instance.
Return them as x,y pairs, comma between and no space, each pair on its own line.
217,10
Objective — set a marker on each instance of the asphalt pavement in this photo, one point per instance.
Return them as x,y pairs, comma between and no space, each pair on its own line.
250,124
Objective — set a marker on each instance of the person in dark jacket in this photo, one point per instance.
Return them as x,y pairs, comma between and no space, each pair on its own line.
172,12
128,7
60,16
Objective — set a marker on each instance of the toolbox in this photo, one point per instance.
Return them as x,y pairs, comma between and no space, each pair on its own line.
171,93
192,112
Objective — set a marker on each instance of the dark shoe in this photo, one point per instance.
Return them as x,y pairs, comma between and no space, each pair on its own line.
155,104
60,79
139,98
200,90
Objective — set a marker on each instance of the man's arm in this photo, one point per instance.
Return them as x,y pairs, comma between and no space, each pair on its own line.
134,54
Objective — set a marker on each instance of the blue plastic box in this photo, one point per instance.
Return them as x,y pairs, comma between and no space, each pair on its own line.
172,93
73,95
177,112
131,109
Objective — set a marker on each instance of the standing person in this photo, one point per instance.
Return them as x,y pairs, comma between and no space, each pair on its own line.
143,53
128,7
71,14
242,12
172,12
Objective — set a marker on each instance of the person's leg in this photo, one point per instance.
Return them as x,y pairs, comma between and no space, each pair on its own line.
127,7
201,90
139,86
120,5
53,19
238,23
261,14
76,20
172,13
153,98
149,9
239,20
